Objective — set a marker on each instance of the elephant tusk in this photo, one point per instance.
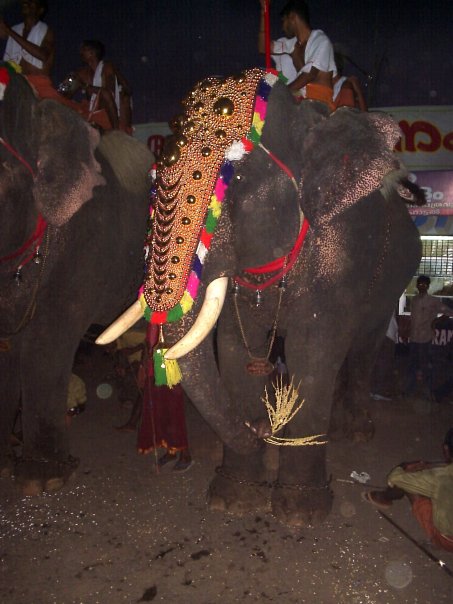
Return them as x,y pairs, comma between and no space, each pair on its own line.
124,322
207,317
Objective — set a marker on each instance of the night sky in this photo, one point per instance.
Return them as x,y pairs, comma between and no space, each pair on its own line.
165,46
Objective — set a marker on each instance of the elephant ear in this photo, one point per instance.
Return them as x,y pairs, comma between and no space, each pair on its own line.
346,157
67,170
19,108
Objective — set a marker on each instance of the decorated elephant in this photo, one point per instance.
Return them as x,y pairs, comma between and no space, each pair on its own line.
73,216
302,213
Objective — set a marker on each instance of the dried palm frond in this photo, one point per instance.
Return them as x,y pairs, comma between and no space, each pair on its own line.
286,396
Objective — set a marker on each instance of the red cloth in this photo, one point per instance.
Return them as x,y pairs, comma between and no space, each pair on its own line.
422,508
345,98
163,422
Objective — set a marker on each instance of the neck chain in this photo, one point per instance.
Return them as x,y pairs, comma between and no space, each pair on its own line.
259,365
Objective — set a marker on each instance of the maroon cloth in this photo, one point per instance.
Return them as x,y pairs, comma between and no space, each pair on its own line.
163,421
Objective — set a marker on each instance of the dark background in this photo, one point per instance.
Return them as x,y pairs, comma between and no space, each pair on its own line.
164,46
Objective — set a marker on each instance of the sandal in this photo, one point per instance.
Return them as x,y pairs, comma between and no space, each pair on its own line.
166,458
369,498
182,465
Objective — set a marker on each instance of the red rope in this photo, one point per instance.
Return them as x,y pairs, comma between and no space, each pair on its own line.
35,237
17,156
283,264
41,224
267,35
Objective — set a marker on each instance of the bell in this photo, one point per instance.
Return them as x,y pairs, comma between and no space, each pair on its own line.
283,284
37,257
18,276
235,289
258,298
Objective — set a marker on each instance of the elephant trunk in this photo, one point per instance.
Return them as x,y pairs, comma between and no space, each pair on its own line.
205,321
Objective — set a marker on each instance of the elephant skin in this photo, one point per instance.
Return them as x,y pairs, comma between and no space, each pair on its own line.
92,191
360,252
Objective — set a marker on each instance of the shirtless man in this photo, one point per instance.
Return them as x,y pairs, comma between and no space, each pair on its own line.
312,53
30,44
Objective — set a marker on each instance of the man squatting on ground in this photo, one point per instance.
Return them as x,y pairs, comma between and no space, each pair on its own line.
429,488
305,56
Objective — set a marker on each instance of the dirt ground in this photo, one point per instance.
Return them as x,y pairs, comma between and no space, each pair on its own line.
121,533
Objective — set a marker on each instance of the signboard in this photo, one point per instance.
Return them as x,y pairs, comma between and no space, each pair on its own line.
427,136
438,187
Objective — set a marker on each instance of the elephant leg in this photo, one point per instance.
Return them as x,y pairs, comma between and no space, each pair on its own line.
350,417
9,403
45,464
302,495
241,484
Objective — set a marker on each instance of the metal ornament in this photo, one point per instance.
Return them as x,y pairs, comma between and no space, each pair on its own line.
18,276
259,367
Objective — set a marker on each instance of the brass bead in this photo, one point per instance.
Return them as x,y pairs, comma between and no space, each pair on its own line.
198,105
189,127
179,240
191,199
186,220
224,107
172,276
181,141
220,133
206,151
197,175
171,153
169,290
175,259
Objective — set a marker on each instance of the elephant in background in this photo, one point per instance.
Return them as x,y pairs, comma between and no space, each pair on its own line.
73,216
334,304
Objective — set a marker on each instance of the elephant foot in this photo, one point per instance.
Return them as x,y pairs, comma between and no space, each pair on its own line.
300,506
38,476
228,493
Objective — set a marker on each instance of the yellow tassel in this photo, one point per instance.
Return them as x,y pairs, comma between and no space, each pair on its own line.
173,372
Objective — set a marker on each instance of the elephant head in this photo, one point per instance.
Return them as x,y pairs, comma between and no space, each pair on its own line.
37,138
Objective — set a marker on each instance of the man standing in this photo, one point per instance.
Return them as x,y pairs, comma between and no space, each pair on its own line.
311,53
424,309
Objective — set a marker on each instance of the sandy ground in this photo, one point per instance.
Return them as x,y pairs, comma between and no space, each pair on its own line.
119,532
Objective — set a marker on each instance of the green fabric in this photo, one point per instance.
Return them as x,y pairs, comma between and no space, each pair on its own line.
437,484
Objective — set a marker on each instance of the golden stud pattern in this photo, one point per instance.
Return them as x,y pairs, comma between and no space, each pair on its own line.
217,113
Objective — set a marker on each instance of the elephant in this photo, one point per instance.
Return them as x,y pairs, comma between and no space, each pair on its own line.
74,207
332,298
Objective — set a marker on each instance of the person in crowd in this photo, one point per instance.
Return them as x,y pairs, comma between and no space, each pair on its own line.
163,421
310,50
429,488
424,309
347,91
105,86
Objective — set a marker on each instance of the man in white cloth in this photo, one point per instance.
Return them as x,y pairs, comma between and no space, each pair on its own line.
30,44
309,50
105,86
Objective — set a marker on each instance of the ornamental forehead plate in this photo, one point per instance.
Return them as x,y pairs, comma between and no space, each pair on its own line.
217,113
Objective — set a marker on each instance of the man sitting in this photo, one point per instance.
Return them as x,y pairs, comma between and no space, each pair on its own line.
429,488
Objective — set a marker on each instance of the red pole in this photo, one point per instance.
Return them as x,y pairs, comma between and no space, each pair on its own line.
267,35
